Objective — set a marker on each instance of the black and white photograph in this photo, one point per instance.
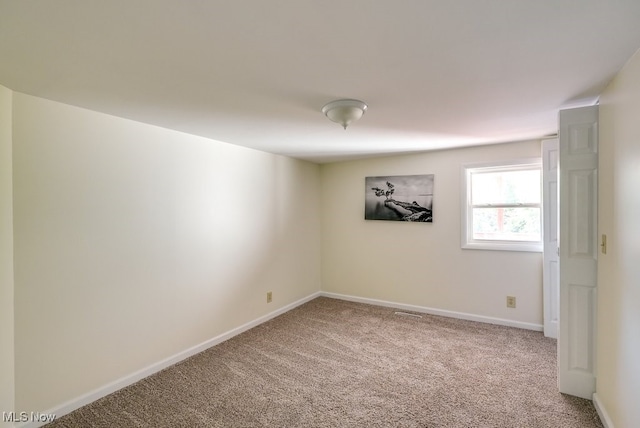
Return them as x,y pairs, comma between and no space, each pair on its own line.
399,198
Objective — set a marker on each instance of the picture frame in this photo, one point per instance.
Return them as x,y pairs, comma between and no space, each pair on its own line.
406,198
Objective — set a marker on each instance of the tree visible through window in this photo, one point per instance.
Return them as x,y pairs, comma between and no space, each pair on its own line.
503,207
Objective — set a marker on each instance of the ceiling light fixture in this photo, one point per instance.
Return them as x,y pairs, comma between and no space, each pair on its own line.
344,111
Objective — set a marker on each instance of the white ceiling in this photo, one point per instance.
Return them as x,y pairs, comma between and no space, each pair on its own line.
435,74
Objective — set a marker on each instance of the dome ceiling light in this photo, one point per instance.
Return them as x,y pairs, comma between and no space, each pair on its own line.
344,111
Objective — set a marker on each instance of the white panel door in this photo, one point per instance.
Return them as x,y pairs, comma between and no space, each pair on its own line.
551,266
578,250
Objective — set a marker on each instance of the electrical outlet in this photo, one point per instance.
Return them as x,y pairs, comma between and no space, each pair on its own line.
511,302
269,296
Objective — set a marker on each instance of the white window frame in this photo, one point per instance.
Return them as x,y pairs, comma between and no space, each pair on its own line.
468,242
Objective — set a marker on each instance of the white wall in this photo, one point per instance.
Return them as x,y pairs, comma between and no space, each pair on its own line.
134,243
420,263
618,346
6,257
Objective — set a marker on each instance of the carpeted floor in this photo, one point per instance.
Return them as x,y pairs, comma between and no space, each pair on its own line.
331,363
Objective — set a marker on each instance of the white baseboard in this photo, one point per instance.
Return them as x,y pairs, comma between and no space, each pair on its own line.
440,312
105,390
602,411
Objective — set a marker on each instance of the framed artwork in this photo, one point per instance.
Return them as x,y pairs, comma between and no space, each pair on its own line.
399,198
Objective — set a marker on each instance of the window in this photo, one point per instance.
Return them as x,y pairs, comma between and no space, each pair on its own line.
502,206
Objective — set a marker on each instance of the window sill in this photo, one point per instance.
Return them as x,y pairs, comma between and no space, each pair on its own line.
504,246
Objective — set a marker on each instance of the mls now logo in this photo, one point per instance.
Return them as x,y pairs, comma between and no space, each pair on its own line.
27,417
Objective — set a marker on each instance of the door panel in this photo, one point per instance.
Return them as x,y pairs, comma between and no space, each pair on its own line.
551,272
578,250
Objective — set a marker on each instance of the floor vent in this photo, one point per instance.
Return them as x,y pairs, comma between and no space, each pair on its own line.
407,314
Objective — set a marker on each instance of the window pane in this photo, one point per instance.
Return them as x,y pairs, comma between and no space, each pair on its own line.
511,224
507,187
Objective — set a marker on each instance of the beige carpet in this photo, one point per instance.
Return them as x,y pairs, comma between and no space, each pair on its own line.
331,363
